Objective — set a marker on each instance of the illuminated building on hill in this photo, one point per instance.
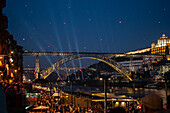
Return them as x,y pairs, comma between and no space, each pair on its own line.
162,47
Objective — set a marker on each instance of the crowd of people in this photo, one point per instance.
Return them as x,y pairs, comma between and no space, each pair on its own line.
150,104
59,105
14,96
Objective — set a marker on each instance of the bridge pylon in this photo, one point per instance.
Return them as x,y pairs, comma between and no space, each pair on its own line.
37,67
131,67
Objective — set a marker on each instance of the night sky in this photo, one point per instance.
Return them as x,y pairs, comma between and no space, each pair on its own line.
87,25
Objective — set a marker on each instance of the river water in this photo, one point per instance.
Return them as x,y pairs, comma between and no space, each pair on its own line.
138,92
141,92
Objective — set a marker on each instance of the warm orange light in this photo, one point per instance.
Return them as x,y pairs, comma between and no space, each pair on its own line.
10,81
1,57
117,104
12,75
1,64
12,52
15,70
7,66
122,103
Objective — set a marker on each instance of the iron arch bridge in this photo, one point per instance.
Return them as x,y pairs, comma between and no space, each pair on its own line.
118,67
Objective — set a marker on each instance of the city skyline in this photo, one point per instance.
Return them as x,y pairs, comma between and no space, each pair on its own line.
87,26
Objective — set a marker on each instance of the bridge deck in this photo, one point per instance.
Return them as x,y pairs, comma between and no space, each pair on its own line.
86,53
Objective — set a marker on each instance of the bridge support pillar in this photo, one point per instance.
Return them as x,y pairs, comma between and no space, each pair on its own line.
37,67
131,67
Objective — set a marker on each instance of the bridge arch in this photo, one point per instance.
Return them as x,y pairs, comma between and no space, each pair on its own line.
115,65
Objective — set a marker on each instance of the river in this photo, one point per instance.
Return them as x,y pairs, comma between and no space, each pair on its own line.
139,92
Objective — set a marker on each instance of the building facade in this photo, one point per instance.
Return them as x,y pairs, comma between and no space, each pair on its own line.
162,47
11,60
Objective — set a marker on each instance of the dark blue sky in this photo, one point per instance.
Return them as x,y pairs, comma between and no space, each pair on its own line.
87,25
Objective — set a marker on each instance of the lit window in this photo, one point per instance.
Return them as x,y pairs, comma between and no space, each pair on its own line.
1,64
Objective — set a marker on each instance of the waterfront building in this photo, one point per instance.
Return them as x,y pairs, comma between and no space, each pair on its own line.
10,53
162,47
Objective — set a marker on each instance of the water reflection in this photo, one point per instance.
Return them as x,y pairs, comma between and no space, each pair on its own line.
138,92
141,92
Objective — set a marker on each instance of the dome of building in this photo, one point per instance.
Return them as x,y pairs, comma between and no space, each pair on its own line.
163,37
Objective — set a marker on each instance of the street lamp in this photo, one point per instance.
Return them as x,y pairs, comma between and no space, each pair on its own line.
15,70
105,78
166,78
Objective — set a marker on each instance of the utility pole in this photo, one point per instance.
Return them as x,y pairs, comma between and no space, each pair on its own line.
71,86
134,89
105,94
105,78
166,89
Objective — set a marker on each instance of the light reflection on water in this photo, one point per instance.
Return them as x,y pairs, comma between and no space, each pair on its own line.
141,92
